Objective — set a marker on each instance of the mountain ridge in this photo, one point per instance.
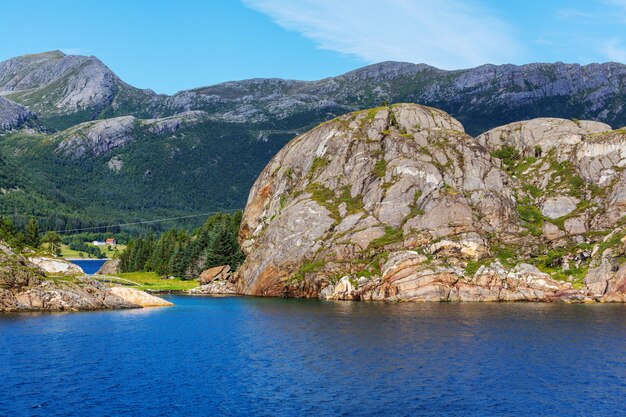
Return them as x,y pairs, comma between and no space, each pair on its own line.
593,85
115,167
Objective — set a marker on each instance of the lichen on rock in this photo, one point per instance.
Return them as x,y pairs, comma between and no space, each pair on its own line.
398,203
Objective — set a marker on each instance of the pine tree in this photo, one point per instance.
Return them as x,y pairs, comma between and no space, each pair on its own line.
223,248
53,239
33,237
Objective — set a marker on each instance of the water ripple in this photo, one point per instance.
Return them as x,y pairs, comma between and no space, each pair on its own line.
251,356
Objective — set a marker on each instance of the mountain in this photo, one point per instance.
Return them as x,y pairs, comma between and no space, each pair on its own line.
65,90
398,203
83,145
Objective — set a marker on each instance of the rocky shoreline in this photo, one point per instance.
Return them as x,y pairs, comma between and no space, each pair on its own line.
49,284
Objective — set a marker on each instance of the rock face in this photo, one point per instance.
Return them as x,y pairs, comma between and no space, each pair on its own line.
24,286
12,115
99,137
398,203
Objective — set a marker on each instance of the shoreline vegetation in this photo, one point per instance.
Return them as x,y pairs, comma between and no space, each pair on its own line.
151,282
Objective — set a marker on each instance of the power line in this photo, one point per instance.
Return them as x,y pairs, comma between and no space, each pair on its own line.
145,221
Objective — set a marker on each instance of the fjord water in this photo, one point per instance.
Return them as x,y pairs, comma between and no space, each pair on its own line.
257,356
90,266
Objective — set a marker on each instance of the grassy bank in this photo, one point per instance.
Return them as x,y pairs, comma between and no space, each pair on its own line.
151,281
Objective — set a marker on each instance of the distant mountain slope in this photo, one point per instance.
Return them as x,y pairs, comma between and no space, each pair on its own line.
103,149
481,97
64,90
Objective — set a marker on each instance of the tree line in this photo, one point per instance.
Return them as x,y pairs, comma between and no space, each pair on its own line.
29,236
185,255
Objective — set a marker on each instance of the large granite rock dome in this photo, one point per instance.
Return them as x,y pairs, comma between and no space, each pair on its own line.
398,203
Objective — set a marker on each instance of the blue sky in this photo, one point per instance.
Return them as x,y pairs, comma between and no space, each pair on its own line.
174,45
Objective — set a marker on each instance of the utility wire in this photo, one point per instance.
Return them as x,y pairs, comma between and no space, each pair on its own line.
145,221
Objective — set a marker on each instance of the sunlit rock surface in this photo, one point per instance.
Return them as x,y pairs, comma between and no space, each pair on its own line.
399,204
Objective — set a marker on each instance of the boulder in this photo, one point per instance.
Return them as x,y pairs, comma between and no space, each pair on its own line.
552,231
607,282
555,207
56,265
110,267
140,298
221,272
75,295
215,287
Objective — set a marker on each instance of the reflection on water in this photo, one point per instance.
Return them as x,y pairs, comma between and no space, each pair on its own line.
242,356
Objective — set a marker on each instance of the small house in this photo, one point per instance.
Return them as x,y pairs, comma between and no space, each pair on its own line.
111,242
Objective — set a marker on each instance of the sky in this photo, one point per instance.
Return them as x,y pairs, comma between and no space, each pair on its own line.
174,45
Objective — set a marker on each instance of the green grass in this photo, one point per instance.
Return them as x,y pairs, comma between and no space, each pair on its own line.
507,255
153,282
305,268
59,279
392,235
575,275
509,157
530,213
325,197
472,267
68,253
415,210
380,168
353,204
319,163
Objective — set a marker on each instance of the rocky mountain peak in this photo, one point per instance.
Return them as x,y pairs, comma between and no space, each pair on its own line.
60,87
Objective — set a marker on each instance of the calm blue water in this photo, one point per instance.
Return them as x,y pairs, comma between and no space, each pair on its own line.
90,266
255,356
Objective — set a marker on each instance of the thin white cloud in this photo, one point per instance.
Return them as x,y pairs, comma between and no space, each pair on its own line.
444,33
615,51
